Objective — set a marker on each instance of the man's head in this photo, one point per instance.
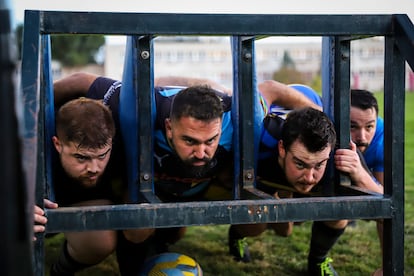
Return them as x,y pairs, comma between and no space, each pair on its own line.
363,117
84,134
194,127
308,136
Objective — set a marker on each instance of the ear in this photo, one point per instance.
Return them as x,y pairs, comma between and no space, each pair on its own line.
168,130
281,149
57,143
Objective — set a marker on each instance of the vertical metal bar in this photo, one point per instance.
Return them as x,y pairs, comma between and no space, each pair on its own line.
394,111
16,201
247,106
342,98
328,74
336,96
146,105
44,158
30,84
243,112
328,86
47,107
128,116
235,113
136,105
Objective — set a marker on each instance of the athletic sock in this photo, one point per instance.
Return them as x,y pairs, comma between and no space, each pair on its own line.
322,240
234,233
66,265
130,255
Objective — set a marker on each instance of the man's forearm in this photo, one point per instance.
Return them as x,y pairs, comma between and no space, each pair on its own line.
72,87
282,95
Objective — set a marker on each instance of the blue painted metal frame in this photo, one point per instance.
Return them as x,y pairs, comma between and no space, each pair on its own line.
135,101
243,113
394,119
351,203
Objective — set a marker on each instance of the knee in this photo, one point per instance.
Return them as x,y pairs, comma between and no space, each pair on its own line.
338,224
93,247
107,244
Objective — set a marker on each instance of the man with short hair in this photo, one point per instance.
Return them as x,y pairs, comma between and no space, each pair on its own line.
285,171
367,131
367,137
304,144
84,136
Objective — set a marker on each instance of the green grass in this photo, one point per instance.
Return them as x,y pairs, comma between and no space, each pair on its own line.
356,253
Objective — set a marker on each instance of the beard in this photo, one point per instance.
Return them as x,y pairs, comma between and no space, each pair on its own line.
199,171
362,144
188,165
86,181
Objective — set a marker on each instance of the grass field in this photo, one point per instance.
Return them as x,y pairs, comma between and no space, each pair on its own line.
356,253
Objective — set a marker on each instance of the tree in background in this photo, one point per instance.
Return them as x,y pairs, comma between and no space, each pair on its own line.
316,83
70,50
74,50
287,72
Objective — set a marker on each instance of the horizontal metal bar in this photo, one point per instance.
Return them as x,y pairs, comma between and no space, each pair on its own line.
212,24
216,212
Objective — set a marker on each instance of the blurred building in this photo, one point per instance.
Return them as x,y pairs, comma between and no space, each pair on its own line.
210,57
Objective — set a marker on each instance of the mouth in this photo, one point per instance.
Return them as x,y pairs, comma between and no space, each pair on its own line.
306,185
91,178
362,145
198,163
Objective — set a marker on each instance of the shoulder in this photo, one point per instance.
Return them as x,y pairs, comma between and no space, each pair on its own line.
378,139
164,96
270,134
100,87
167,91
225,99
380,126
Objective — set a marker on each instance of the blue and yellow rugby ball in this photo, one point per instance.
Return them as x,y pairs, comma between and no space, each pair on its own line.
171,264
